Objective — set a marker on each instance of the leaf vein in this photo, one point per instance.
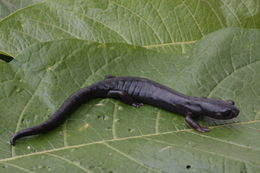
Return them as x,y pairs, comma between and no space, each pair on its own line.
100,68
114,121
119,139
215,13
232,12
131,158
170,44
105,25
157,121
193,148
225,78
163,22
140,17
193,17
223,141
18,167
69,161
54,26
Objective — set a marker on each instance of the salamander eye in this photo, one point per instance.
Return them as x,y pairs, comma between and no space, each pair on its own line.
231,102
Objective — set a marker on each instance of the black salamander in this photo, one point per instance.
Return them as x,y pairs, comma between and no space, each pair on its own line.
137,91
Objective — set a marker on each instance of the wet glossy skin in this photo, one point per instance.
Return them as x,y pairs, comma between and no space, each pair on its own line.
137,91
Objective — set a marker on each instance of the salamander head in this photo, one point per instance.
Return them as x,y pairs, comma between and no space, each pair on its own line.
219,109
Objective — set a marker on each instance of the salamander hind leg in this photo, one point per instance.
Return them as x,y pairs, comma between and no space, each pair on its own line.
124,97
195,125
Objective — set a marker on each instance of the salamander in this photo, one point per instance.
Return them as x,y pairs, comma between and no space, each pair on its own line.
136,91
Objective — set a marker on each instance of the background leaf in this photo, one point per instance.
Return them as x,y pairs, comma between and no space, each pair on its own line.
164,25
9,6
108,136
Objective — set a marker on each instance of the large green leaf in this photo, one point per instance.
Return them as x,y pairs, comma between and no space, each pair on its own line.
162,25
9,6
108,136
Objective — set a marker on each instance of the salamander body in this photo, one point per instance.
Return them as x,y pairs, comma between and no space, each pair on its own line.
137,91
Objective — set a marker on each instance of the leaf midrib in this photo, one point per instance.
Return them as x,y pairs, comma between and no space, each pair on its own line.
132,137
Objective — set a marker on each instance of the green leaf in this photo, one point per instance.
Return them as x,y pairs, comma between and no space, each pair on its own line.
9,6
165,26
109,136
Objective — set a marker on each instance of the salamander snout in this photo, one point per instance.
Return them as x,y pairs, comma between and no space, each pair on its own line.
219,109
228,113
231,113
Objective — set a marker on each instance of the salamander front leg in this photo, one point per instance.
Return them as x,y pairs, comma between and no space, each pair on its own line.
195,125
124,97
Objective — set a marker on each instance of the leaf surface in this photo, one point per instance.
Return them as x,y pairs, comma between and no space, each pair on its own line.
9,6
109,136
165,26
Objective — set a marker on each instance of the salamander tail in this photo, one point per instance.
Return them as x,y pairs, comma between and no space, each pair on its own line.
13,139
20,134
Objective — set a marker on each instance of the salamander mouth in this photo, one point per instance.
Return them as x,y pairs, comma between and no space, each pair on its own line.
232,114
227,115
